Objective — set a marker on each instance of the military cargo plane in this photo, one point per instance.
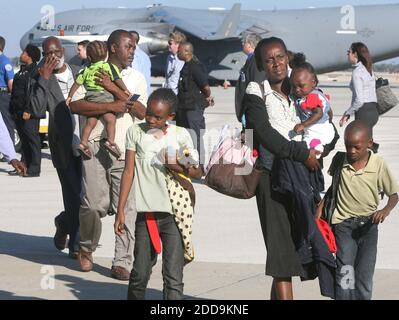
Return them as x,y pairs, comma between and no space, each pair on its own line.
323,34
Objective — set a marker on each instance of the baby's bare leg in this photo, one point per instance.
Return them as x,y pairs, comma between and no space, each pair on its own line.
110,126
91,122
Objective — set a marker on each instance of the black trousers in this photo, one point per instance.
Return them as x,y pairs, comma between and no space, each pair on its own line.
368,113
145,258
31,144
6,114
275,214
194,121
71,184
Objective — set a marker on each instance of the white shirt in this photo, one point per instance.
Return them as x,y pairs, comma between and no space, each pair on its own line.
282,114
362,86
172,73
65,81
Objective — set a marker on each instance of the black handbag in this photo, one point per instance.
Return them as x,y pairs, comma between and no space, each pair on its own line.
386,99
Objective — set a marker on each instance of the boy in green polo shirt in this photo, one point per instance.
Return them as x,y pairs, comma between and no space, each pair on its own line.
364,175
97,53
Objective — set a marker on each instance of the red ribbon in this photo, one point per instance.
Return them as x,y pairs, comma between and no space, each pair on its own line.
153,231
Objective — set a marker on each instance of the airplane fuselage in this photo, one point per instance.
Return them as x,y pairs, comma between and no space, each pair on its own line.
324,34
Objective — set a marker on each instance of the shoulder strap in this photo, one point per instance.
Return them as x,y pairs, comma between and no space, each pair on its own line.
331,194
337,162
262,91
114,72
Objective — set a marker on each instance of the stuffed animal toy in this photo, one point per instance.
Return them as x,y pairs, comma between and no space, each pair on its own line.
188,158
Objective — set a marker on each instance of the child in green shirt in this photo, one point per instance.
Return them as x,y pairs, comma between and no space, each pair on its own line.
156,215
97,53
363,176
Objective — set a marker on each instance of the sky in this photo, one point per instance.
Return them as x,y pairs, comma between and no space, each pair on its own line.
19,16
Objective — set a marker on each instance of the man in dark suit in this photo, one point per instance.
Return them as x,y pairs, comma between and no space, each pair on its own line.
194,96
248,73
50,90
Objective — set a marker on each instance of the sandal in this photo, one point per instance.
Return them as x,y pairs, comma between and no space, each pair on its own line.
112,148
84,150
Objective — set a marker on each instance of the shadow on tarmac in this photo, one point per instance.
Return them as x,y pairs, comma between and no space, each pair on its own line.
41,251
5,295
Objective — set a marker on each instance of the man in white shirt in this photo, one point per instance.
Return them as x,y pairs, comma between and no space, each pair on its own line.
173,63
102,173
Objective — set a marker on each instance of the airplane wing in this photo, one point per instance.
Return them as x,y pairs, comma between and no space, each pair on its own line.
262,30
203,24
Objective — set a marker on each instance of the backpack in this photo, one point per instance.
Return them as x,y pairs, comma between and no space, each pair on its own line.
331,195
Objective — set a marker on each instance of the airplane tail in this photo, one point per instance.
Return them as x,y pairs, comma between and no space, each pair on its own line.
230,23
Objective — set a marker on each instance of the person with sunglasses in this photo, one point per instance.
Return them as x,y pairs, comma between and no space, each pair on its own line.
50,89
173,63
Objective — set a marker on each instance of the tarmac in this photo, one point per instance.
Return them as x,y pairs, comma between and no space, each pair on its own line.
230,253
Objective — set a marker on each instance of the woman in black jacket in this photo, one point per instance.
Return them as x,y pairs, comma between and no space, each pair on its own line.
274,210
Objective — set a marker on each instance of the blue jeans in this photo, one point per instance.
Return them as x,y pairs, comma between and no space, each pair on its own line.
356,256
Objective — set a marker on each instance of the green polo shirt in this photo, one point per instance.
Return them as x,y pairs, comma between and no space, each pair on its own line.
358,191
87,76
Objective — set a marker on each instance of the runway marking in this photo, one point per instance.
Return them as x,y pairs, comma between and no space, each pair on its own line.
346,32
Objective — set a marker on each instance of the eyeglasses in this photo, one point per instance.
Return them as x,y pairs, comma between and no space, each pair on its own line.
56,52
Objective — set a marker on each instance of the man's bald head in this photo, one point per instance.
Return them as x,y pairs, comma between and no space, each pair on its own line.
51,41
186,51
358,127
52,49
188,47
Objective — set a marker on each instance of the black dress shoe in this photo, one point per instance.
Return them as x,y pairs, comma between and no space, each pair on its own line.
73,254
60,237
